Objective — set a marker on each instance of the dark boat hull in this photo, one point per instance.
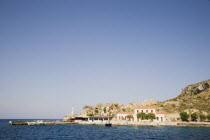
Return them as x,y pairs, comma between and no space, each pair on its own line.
108,124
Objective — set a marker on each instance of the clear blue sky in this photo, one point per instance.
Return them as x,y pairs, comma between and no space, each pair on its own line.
54,54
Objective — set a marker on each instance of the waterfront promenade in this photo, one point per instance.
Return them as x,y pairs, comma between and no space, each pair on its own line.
147,123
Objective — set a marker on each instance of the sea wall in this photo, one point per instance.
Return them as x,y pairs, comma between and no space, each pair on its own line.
46,122
194,124
149,123
145,123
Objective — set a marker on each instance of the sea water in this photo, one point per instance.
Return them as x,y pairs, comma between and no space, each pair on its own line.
99,132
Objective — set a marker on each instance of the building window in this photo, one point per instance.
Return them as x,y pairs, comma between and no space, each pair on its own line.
157,118
147,111
142,111
137,111
152,111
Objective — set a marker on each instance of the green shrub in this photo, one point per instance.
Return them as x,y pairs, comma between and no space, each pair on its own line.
161,105
104,109
208,117
96,112
194,117
184,116
116,105
90,114
202,117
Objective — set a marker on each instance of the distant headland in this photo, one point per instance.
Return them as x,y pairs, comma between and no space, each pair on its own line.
190,108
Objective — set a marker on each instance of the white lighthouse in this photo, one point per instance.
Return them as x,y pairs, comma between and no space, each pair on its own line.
72,110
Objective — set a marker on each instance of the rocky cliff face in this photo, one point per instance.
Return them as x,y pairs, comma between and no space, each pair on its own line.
195,89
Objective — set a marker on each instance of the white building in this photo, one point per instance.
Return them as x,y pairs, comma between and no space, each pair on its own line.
98,119
160,115
123,115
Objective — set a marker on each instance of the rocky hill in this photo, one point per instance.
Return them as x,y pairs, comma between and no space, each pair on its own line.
193,98
195,89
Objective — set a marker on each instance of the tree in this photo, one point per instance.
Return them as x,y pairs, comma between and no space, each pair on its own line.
202,117
208,117
194,117
141,115
129,117
184,116
151,116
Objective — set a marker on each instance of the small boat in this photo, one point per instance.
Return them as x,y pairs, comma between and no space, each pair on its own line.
108,124
37,123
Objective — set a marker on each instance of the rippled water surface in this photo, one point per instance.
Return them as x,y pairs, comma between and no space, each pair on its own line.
96,132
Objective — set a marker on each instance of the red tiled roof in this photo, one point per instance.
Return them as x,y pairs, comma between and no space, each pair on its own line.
146,107
125,113
160,112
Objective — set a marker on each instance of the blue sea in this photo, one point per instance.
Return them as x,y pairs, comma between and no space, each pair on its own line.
98,132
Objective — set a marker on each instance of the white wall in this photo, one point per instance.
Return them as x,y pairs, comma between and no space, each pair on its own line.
124,116
161,116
